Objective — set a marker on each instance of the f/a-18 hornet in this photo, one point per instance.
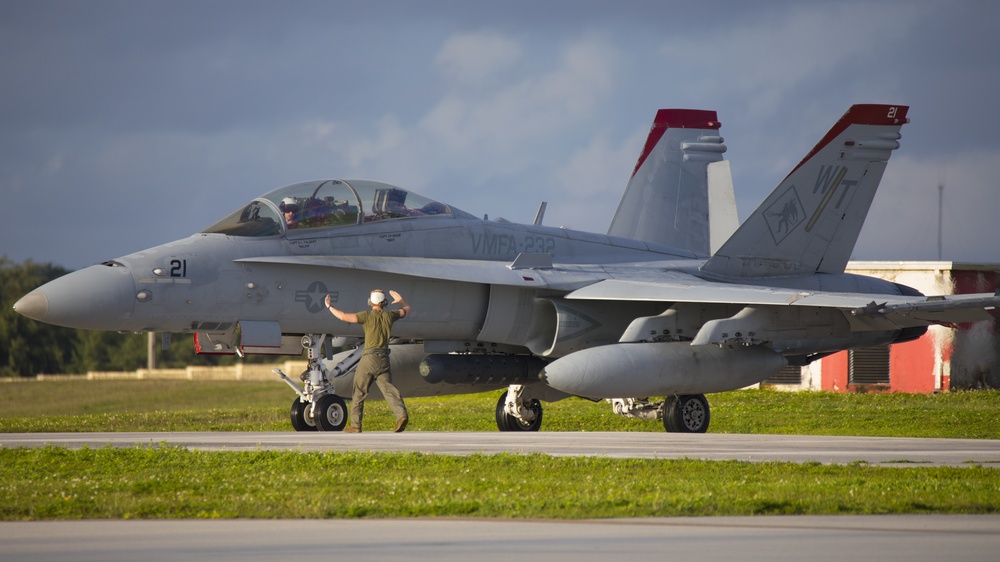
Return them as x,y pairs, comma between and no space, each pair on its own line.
667,304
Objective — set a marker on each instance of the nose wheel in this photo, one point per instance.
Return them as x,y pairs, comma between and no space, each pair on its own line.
302,417
330,413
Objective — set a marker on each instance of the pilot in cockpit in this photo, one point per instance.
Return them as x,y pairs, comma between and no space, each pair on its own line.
290,209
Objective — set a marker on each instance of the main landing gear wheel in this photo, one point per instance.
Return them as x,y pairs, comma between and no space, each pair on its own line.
686,414
330,413
508,422
302,420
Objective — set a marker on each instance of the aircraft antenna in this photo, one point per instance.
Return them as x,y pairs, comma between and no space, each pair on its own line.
540,214
940,217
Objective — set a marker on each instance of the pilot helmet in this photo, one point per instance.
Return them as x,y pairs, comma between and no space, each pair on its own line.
377,298
289,205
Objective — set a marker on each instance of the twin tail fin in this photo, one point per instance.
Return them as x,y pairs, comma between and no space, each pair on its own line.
810,223
669,200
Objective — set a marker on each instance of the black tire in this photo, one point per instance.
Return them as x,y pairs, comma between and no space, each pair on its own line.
331,413
687,414
506,422
301,420
501,414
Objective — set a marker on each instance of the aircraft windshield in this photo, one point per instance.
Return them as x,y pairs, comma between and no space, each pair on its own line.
328,204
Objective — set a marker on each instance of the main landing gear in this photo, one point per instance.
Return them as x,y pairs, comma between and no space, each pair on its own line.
686,414
317,407
680,414
518,412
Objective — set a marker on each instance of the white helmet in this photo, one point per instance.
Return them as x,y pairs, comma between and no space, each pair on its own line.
377,298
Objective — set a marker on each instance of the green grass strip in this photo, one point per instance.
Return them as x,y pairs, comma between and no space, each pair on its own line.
169,482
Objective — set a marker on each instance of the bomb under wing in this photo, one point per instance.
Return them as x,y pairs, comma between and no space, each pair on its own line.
480,369
658,369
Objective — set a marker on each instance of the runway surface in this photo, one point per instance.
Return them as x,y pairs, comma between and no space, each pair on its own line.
912,538
899,452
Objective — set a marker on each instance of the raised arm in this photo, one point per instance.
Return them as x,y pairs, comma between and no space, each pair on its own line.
405,308
348,317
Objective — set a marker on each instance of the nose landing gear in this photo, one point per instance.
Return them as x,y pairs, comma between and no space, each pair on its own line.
317,407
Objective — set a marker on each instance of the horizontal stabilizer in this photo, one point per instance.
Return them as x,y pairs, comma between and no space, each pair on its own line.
899,310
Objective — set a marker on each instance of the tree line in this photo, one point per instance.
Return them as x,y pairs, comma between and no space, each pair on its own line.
29,347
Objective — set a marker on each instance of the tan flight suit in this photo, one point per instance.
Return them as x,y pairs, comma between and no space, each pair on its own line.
374,364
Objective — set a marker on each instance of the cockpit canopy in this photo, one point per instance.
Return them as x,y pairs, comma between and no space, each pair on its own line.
329,204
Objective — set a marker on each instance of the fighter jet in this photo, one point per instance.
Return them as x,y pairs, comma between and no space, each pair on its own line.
663,309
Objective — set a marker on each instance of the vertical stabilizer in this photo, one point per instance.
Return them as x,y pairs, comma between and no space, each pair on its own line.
666,200
811,222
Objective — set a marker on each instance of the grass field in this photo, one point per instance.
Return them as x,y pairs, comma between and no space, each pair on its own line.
166,482
163,405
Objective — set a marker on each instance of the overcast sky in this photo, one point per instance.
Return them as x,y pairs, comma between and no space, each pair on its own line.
124,125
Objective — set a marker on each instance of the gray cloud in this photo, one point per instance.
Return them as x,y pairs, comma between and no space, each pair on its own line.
129,124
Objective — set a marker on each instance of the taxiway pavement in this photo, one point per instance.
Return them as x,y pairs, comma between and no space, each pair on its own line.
913,538
889,451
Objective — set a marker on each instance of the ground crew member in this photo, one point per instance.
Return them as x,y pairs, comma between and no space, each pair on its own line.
374,364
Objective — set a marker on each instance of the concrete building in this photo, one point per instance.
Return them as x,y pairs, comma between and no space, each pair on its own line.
964,357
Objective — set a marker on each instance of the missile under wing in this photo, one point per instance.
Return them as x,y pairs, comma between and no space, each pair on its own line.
547,313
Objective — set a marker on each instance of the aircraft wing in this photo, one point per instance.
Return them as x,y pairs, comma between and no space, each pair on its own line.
900,310
583,284
469,271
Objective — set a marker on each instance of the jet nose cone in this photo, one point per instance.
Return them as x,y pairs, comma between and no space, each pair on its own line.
99,297
34,305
